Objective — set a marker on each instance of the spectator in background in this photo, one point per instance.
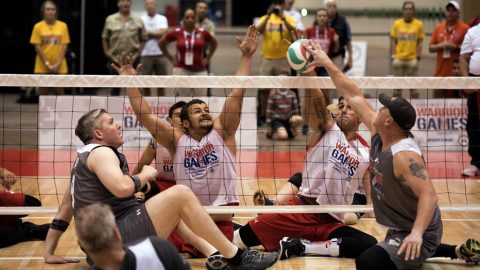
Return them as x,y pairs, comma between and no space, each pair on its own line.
50,38
190,59
341,26
295,14
407,35
283,114
470,66
123,32
456,72
324,35
101,239
202,20
12,229
445,41
153,61
275,26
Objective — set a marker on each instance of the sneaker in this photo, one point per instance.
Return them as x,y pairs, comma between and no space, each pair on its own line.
469,251
217,262
260,199
472,170
291,247
253,260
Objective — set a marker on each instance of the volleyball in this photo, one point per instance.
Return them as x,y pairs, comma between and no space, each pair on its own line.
298,56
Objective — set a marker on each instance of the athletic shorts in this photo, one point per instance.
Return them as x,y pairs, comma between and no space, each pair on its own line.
136,225
271,228
226,227
164,184
8,198
393,241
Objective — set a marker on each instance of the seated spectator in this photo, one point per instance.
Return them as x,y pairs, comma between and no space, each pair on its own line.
12,229
100,238
283,114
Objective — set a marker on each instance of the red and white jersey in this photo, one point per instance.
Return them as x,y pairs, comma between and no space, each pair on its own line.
333,169
164,164
208,168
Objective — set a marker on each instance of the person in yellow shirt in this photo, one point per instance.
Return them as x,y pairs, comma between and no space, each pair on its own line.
275,27
407,35
50,38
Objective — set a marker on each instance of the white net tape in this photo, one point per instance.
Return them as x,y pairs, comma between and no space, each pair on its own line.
99,81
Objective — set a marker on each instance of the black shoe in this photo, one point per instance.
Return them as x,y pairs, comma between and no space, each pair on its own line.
291,247
253,260
36,231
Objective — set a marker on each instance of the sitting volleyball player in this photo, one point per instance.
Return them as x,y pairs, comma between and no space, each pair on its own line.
290,189
204,149
403,196
163,160
336,161
99,236
100,174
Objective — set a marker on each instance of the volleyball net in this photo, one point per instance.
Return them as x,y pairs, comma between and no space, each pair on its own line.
38,142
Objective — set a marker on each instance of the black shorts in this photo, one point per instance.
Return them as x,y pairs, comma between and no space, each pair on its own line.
278,123
136,225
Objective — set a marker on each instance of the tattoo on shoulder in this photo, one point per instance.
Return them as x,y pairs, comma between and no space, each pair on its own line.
417,169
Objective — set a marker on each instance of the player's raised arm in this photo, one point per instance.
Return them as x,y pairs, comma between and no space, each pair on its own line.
345,87
229,119
160,130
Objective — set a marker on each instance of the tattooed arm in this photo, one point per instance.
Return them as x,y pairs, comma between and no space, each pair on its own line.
410,168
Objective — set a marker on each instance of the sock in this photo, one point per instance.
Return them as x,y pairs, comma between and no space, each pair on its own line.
237,259
237,240
215,253
248,236
323,248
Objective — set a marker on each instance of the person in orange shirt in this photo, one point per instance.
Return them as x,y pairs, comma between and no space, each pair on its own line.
446,40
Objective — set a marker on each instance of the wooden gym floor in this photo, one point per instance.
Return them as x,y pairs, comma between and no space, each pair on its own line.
458,226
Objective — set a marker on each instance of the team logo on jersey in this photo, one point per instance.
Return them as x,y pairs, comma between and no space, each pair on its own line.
376,178
167,165
345,161
198,162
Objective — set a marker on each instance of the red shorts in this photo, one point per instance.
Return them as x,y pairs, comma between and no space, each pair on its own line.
10,199
226,227
164,184
271,228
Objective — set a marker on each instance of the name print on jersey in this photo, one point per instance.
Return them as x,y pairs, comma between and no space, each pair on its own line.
344,160
198,161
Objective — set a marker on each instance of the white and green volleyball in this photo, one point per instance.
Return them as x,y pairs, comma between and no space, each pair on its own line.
298,56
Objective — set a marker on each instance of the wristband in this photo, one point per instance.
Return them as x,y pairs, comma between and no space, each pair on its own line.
59,225
137,182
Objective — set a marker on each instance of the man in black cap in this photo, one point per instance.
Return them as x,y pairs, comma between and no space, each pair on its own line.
403,195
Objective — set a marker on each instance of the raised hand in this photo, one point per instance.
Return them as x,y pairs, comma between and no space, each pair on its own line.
7,178
125,65
320,58
248,45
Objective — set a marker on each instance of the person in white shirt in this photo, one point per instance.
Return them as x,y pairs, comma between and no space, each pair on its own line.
153,61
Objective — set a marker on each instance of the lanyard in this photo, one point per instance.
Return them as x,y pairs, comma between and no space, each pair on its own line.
189,46
445,33
317,33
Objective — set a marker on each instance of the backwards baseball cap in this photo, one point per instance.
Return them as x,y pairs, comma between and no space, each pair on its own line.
400,109
455,4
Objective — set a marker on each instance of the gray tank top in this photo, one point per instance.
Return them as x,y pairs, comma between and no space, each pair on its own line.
394,202
87,189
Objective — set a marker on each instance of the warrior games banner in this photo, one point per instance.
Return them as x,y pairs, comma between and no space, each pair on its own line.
440,126
58,116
